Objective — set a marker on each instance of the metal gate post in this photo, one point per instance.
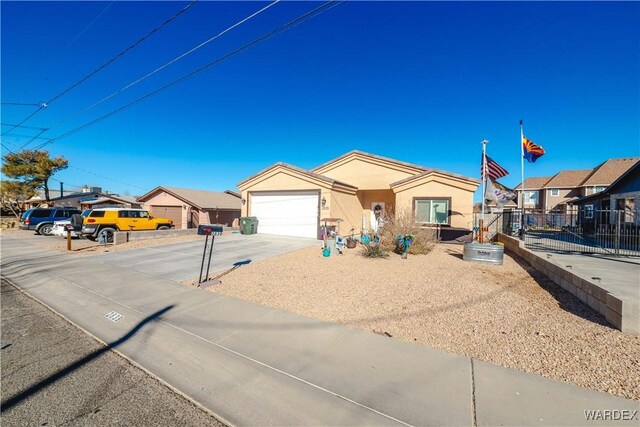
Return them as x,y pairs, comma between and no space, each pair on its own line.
620,213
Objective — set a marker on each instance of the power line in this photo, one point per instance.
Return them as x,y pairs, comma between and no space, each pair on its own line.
17,135
21,103
107,178
22,127
42,106
179,57
84,30
106,64
311,14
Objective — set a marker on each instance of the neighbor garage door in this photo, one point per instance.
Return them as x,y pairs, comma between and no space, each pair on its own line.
174,213
286,213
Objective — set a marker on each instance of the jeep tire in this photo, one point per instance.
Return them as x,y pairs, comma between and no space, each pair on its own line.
108,232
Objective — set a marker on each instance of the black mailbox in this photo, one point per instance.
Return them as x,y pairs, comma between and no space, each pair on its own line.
208,230
70,227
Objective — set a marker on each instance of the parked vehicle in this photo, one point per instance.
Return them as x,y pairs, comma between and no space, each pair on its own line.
60,227
106,221
41,219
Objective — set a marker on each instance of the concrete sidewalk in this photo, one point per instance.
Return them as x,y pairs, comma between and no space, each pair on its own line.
253,365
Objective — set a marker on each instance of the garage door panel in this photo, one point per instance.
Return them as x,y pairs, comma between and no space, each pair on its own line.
286,213
173,213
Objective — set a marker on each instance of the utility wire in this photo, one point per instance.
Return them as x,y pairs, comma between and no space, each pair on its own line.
84,30
22,127
33,139
311,14
106,64
21,103
190,51
17,135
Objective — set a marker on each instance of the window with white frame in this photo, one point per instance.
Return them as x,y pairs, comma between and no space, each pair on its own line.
431,210
531,197
588,211
555,191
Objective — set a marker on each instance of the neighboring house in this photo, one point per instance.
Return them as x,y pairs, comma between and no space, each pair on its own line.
40,201
109,200
558,192
188,208
87,198
288,200
621,197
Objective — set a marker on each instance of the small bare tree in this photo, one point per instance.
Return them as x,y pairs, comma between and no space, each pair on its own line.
403,224
14,195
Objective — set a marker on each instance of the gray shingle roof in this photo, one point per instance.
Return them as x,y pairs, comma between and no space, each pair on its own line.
202,199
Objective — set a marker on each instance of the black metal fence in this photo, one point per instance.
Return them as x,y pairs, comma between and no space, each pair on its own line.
610,232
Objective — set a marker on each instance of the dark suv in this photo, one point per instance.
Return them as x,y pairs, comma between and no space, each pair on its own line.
41,219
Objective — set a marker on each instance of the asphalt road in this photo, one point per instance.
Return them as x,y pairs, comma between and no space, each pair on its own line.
55,374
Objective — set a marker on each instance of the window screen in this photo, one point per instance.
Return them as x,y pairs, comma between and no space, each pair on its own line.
432,211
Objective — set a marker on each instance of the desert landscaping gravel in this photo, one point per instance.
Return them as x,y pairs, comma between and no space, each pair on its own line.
506,315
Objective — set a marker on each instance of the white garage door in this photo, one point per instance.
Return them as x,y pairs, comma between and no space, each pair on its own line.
286,213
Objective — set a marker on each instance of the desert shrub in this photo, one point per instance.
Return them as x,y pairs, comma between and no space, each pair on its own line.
374,250
402,224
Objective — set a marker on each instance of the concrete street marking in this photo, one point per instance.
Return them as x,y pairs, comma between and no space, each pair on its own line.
273,368
113,316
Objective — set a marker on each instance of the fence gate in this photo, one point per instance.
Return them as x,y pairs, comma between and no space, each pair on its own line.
594,232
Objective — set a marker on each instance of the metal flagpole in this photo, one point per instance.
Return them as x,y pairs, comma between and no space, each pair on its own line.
521,175
484,173
484,179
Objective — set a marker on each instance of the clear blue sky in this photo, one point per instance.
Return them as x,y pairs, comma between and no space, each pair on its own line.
422,82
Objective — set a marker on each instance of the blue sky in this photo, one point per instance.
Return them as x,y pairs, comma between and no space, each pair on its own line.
422,82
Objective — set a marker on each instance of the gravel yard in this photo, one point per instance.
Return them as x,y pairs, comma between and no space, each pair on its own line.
507,315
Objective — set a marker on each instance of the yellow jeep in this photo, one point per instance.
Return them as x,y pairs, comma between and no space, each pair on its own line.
103,222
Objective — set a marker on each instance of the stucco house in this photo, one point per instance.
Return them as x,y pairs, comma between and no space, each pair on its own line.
621,198
288,200
557,193
188,208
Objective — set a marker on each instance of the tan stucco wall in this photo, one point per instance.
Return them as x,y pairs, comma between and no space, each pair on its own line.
366,175
461,195
164,199
347,207
564,195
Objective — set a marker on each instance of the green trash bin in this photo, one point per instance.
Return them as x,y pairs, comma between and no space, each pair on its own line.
248,225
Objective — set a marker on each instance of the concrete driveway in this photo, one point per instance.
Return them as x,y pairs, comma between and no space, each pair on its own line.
181,261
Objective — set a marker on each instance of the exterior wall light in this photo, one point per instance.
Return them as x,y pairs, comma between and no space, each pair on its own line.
324,202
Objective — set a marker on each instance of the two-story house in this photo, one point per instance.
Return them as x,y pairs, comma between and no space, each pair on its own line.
556,193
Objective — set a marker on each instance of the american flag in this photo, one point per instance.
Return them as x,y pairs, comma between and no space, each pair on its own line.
494,170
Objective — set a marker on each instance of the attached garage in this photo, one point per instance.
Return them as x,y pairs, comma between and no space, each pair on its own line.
287,213
174,213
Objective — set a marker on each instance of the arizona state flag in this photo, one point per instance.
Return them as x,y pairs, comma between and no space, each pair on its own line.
531,151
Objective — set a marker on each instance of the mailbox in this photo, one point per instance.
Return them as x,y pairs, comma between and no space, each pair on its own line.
209,230
70,227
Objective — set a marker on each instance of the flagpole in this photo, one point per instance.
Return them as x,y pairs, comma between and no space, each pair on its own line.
484,172
484,180
521,175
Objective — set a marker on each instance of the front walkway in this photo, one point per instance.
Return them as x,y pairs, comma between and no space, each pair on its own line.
253,365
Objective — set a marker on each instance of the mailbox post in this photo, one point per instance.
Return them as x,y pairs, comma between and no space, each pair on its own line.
207,230
70,228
